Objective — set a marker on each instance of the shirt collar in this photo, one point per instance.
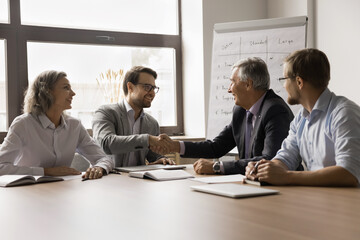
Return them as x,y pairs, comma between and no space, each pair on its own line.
321,104
130,110
46,123
256,107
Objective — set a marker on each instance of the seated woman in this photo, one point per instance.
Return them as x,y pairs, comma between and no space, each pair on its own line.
43,140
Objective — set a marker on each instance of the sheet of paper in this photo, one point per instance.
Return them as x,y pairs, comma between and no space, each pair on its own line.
71,177
220,179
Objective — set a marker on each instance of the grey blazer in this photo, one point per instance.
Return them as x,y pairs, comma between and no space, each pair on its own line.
111,130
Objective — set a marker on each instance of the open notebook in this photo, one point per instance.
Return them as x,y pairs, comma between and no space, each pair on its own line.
149,167
16,180
233,190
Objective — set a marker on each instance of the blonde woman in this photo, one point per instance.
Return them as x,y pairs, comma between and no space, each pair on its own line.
43,140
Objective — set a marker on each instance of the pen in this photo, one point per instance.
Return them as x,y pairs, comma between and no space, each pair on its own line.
84,179
255,168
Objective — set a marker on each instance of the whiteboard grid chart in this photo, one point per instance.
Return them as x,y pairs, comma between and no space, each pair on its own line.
266,39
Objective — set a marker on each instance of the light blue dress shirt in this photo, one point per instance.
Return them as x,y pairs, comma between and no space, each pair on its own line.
328,136
33,143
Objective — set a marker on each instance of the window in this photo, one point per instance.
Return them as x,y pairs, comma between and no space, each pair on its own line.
142,16
93,60
85,39
4,11
3,101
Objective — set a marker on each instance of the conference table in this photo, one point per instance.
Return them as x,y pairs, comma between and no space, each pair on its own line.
121,207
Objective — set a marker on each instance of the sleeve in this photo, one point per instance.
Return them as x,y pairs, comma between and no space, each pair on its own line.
91,151
272,131
216,148
104,130
345,133
289,153
11,150
152,156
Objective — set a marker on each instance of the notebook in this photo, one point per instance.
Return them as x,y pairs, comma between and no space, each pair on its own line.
149,167
162,175
221,179
233,190
17,180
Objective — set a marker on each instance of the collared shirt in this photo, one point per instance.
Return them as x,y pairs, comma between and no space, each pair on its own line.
135,126
328,136
254,110
33,143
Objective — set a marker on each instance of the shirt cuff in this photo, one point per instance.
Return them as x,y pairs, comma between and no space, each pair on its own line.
222,170
182,147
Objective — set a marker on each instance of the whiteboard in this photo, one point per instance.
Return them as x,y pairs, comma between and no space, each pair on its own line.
271,40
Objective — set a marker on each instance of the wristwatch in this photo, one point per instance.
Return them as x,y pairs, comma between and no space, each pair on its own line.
216,167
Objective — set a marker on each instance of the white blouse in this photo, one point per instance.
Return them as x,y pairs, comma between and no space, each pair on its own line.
33,143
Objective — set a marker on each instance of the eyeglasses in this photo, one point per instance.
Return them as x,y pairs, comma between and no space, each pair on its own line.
283,79
149,87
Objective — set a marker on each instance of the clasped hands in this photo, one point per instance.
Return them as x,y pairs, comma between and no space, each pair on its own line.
163,144
274,172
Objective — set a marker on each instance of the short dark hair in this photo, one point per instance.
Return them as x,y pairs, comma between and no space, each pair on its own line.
133,76
311,65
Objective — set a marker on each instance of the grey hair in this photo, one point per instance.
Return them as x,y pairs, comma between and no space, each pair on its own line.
38,98
255,69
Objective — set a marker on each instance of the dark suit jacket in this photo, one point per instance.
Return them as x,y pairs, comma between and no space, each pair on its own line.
270,129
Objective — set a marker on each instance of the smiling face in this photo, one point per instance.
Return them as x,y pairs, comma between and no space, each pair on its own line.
138,97
62,94
238,89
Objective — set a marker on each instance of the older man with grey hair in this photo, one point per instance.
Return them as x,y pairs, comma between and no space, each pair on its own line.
260,122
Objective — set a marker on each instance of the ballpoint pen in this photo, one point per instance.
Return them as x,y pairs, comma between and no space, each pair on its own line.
85,179
255,168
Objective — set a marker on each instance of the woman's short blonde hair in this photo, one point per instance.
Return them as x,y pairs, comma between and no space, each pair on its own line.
38,98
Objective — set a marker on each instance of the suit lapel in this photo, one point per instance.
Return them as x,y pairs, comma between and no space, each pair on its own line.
257,123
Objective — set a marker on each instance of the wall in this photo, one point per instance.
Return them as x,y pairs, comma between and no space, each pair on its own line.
193,68
338,35
197,49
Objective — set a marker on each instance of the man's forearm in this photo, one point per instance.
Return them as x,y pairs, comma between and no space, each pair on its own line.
328,176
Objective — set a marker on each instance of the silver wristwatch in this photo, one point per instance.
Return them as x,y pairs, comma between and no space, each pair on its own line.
216,167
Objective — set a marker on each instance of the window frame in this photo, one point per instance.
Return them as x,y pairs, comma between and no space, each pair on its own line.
18,35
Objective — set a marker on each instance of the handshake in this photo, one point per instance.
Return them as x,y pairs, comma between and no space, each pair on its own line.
163,144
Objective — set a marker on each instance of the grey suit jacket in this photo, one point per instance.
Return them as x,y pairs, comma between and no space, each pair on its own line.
111,130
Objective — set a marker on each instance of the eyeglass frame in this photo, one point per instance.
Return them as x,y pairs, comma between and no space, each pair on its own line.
283,79
147,85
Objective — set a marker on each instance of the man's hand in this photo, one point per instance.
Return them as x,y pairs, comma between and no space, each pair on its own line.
163,161
94,173
60,171
273,172
163,144
204,166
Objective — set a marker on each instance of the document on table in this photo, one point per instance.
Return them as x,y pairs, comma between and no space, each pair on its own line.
221,179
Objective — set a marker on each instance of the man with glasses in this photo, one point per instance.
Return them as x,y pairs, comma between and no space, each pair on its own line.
325,134
260,122
123,129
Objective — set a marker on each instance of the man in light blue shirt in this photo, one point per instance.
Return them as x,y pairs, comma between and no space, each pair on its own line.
325,134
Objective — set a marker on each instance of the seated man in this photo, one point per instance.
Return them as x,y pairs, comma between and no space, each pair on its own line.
260,122
124,129
325,135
